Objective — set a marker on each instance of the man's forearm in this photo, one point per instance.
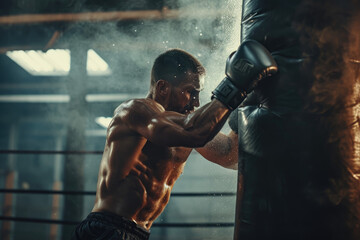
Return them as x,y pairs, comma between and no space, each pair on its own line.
207,121
222,150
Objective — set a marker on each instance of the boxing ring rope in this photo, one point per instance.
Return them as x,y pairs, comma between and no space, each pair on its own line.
64,222
47,152
207,194
60,192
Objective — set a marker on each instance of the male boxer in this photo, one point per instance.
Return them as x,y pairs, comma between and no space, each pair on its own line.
149,140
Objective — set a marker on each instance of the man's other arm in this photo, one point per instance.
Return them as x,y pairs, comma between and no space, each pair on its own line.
222,150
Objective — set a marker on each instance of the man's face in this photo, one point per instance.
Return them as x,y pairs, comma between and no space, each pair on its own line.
185,97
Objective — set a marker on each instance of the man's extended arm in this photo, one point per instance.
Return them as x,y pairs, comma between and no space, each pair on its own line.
244,69
162,127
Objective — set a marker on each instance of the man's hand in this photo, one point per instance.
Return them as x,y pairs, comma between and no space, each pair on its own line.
244,69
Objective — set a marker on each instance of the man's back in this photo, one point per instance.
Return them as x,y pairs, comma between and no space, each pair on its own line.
136,176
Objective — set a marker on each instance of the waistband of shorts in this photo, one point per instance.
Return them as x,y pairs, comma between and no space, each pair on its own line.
121,222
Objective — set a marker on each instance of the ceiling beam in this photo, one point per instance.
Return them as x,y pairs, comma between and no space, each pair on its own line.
13,48
109,16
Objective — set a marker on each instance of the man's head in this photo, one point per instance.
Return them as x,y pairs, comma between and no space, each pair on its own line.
176,80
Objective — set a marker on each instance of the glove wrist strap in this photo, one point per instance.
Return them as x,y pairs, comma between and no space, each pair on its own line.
227,93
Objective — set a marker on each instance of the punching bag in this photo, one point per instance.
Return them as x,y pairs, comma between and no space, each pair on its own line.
299,130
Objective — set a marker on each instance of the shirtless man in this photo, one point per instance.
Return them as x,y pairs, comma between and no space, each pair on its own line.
149,140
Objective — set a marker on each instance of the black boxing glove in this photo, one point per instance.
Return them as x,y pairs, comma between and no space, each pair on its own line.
244,69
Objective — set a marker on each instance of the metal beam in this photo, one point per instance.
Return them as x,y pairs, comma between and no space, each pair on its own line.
108,16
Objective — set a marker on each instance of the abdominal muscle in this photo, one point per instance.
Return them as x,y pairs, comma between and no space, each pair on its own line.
131,200
138,195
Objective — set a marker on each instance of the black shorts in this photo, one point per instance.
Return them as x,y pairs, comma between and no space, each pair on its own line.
108,226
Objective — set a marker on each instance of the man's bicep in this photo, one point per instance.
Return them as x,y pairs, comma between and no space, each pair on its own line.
149,120
158,126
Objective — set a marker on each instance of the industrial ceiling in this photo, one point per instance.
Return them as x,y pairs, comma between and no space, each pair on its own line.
127,35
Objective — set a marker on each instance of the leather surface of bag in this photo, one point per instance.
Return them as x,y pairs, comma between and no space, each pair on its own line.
298,154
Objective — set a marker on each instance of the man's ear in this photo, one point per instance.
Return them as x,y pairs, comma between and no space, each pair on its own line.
163,88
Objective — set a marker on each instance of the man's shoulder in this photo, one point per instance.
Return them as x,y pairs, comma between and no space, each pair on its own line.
138,102
138,105
147,102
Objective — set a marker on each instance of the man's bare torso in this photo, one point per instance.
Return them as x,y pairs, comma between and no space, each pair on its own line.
136,176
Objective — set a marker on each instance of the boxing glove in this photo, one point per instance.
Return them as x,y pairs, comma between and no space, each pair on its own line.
244,69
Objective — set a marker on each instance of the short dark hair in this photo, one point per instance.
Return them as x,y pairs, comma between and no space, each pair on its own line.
173,65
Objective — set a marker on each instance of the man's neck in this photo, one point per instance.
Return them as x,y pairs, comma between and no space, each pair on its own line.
156,99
